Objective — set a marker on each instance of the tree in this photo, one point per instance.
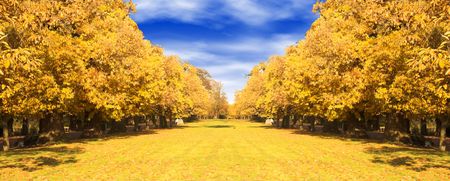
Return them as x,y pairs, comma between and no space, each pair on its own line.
275,102
248,100
198,97
219,106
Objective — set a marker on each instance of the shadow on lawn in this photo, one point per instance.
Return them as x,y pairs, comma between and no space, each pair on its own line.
37,158
206,126
262,126
219,126
338,136
412,158
110,137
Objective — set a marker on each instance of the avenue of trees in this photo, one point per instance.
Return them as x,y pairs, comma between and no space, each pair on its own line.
85,63
361,65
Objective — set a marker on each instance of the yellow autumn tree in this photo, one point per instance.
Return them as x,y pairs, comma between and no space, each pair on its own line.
198,97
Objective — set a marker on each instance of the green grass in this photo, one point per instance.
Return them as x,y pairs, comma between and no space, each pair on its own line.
224,150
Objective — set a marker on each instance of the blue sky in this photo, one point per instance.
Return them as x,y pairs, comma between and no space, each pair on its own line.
225,37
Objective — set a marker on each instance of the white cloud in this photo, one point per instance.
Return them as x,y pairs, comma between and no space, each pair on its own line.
272,45
247,11
250,12
193,55
223,71
183,10
257,12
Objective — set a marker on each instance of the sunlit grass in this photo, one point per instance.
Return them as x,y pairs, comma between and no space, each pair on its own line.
224,150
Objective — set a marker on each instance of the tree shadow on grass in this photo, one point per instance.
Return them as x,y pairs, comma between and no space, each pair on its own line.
184,126
111,136
411,158
219,126
37,158
262,126
339,137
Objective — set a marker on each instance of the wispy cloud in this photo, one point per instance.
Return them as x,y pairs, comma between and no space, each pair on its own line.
182,10
250,12
257,12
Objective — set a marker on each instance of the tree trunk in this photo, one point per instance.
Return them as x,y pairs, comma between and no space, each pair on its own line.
313,124
407,125
10,126
99,124
442,134
136,124
423,127
300,123
154,121
5,134
170,117
285,123
437,132
162,120
364,121
25,127
146,122
376,124
294,121
74,123
417,137
388,124
82,121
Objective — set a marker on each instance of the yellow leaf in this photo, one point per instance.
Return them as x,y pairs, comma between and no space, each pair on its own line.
442,64
9,79
439,80
7,63
3,86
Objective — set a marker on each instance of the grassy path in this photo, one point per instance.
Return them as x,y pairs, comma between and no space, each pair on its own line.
224,150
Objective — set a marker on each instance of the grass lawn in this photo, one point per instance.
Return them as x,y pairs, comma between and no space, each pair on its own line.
224,150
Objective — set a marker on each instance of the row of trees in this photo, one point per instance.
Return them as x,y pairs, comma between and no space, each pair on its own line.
361,62
218,104
87,61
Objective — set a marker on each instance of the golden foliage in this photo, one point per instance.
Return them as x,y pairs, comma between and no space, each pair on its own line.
71,57
375,57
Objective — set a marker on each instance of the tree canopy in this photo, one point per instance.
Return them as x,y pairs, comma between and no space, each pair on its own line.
360,60
89,59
